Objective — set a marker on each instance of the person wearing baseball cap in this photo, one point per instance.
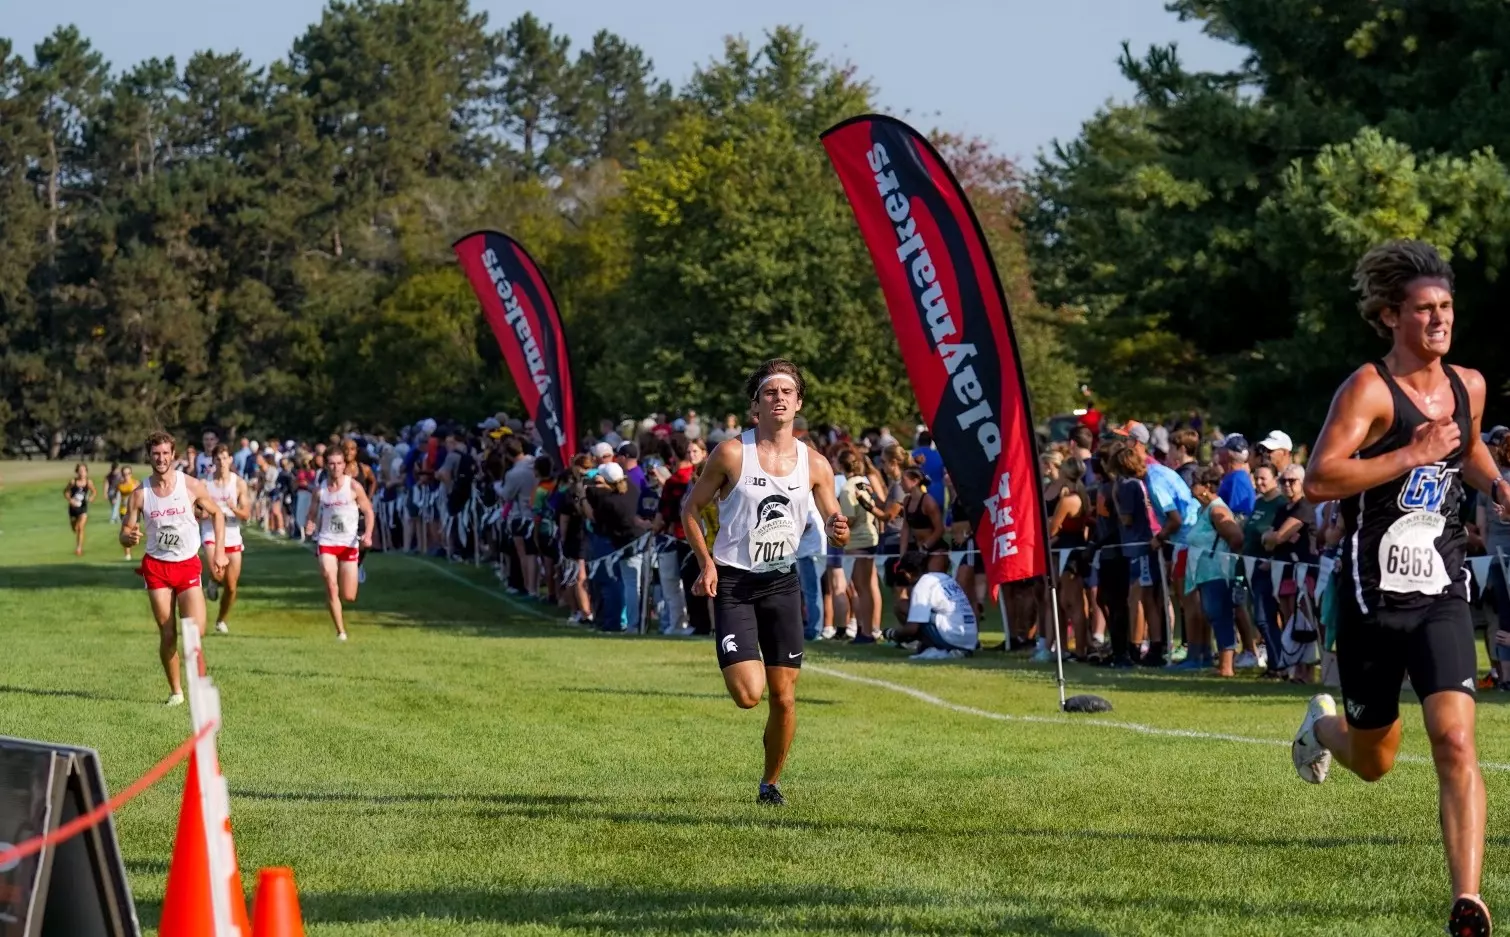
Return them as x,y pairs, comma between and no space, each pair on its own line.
1277,447
601,453
1236,490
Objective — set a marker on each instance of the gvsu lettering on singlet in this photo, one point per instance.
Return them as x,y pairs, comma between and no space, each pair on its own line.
514,315
928,293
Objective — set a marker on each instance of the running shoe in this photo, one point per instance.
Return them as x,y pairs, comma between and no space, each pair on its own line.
211,590
361,575
1469,918
931,653
341,636
1041,656
1312,760
770,795
177,699
222,627
862,639
1246,661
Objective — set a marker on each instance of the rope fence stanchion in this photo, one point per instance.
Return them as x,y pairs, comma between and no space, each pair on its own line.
97,816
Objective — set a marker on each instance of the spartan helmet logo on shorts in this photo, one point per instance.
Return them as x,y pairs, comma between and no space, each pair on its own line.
728,646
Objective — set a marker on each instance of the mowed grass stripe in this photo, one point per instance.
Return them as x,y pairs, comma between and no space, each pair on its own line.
461,768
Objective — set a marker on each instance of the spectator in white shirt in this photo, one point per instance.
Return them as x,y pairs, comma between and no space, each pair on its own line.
933,610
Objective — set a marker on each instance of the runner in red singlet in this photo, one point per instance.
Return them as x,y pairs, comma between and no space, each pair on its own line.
342,504
171,565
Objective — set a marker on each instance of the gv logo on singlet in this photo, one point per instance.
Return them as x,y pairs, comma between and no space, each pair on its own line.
1426,487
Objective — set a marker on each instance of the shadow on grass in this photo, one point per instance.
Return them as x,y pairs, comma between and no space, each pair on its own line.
356,797
69,694
631,909
627,909
721,697
82,575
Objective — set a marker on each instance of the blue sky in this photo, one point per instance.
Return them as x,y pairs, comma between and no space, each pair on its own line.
1018,72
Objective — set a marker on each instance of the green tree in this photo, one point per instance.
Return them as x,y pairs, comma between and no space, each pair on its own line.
746,248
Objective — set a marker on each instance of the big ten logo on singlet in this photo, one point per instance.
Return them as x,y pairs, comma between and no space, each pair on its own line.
755,480
1409,560
774,538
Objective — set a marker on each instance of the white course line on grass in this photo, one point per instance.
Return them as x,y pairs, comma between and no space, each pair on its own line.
1137,727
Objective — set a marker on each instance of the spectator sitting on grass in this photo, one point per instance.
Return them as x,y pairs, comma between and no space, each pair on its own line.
933,609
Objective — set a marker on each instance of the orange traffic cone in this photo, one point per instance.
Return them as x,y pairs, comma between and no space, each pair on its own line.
275,910
187,911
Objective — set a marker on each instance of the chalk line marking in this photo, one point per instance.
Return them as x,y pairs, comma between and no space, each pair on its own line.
1137,727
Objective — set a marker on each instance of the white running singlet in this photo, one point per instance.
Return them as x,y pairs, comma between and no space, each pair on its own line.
338,516
172,533
225,499
760,523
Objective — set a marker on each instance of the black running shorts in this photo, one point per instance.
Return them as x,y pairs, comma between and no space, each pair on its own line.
758,616
1433,644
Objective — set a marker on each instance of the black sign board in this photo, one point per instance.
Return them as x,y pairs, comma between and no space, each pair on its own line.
76,888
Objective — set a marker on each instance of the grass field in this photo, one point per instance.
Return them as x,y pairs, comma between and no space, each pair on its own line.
465,766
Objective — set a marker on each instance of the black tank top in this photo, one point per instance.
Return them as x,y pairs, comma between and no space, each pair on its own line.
1404,541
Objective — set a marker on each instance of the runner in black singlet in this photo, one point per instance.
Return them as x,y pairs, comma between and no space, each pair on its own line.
1400,442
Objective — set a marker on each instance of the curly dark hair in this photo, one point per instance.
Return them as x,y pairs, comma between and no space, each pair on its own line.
1386,270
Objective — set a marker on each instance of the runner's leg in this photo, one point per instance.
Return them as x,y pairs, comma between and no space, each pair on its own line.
228,586
347,576
328,574
161,601
781,725
1450,727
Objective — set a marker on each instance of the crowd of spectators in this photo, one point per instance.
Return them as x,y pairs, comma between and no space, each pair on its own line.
1175,545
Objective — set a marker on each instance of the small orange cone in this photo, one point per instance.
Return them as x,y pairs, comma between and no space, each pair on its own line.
275,910
187,908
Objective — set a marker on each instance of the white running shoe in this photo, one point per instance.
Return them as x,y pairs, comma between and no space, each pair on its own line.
1263,657
177,699
1312,760
1245,660
931,653
341,636
222,627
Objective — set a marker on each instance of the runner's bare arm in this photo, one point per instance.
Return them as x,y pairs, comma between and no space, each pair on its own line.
205,503
1360,414
721,466
364,504
836,524
93,493
242,508
131,533
1479,469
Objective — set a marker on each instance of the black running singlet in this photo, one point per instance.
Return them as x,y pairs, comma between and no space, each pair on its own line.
1404,541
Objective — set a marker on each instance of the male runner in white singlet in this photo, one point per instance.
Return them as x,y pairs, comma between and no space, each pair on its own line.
766,486
171,561
342,504
1401,440
228,490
